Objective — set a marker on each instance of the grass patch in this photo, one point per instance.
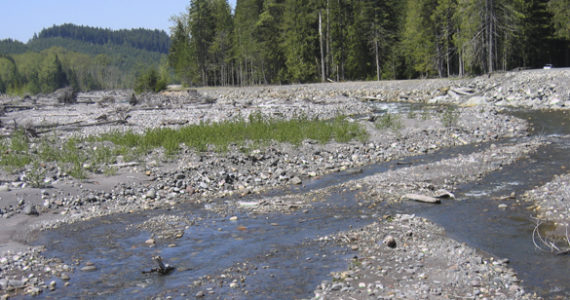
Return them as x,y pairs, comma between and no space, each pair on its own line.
36,175
389,121
258,129
76,156
450,117
15,151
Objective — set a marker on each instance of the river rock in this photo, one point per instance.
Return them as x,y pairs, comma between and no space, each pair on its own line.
150,194
296,180
30,210
89,268
389,241
475,101
92,197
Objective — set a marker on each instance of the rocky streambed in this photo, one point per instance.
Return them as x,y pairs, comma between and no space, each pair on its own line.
163,205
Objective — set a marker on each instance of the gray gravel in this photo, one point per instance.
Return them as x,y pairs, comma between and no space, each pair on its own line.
552,200
419,263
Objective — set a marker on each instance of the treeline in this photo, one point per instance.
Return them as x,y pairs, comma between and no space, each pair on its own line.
150,40
45,64
289,41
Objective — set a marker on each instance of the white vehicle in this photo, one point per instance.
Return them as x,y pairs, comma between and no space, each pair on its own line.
547,66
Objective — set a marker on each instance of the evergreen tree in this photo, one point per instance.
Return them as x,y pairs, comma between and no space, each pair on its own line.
560,10
445,28
538,34
179,56
9,75
51,74
340,16
301,44
221,46
269,39
371,36
359,60
246,54
419,38
202,30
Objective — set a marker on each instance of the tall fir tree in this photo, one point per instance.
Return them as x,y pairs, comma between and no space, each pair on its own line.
202,29
179,56
220,50
301,43
51,74
245,45
269,38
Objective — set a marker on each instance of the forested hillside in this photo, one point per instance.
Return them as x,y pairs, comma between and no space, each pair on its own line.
288,41
84,57
144,39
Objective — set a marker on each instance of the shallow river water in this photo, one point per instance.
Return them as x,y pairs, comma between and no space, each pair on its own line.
280,254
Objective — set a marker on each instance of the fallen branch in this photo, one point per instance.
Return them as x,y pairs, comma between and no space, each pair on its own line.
546,245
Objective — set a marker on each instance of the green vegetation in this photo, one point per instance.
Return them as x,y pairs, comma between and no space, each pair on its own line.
15,151
144,39
290,41
389,121
450,117
150,81
83,57
77,156
239,131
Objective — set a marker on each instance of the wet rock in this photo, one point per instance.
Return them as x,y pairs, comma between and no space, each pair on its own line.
88,268
33,291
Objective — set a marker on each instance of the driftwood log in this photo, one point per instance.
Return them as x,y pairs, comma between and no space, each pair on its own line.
421,198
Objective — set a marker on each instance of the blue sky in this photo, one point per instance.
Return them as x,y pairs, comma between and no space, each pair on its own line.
22,18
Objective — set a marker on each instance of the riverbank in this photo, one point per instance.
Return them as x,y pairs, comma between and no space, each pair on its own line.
157,182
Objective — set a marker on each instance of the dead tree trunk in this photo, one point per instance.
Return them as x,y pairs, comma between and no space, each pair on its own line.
322,48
